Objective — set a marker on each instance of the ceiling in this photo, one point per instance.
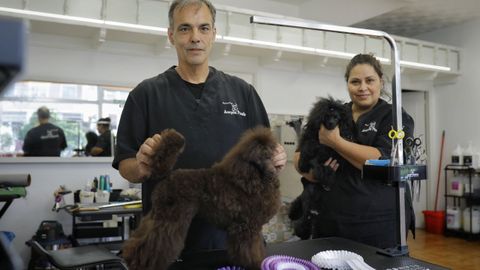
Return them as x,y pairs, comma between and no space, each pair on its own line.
408,18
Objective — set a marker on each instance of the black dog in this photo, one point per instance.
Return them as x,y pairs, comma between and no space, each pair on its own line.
329,113
304,209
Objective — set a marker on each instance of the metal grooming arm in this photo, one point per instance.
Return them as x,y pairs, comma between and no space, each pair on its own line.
394,171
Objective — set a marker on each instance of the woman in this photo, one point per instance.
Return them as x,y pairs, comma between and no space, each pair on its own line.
361,209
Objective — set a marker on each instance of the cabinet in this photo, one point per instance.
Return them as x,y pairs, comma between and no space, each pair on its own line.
462,201
89,227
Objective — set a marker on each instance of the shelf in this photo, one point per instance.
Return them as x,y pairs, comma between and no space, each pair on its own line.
96,230
466,200
390,174
107,21
453,167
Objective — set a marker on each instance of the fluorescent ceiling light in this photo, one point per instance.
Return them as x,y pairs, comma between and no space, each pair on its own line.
43,15
162,30
426,66
268,44
29,14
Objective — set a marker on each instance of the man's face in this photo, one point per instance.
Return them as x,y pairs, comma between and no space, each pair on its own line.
192,34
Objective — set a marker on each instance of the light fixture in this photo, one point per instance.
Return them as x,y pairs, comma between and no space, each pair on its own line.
424,66
226,50
167,44
324,62
278,56
30,14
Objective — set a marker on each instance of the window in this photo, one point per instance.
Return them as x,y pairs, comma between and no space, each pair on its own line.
75,108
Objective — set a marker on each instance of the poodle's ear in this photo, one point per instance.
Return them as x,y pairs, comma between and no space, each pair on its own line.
171,146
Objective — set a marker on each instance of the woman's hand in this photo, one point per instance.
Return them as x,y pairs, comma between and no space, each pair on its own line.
328,137
332,163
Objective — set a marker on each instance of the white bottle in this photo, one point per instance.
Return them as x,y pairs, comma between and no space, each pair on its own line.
468,155
457,158
475,222
453,218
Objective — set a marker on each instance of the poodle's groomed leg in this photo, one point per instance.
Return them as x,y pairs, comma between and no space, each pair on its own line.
159,239
246,247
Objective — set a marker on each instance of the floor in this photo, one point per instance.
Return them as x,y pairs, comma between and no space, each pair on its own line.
450,252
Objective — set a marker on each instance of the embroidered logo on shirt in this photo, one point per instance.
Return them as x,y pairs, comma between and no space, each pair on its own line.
233,109
370,127
51,134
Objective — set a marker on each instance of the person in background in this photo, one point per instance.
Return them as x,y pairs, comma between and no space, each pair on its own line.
103,147
209,108
92,140
46,139
363,210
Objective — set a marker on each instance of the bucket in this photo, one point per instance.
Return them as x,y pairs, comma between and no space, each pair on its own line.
434,221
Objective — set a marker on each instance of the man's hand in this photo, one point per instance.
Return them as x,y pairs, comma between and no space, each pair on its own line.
145,154
279,158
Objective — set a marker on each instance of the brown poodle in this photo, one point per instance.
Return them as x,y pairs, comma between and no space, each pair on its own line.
239,194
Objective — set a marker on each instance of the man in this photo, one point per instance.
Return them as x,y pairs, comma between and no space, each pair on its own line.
210,108
103,147
46,139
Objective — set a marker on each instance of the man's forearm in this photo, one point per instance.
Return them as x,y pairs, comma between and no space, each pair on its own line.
129,170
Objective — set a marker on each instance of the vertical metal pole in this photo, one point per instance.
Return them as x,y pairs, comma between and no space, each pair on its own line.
397,155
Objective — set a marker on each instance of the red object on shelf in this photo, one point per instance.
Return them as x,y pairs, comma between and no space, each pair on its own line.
434,221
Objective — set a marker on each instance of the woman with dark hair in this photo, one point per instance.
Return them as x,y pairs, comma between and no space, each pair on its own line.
353,207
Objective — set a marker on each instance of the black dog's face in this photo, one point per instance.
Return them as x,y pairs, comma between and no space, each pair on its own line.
327,112
332,118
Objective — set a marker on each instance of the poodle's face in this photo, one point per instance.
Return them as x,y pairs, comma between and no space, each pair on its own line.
328,112
257,151
332,117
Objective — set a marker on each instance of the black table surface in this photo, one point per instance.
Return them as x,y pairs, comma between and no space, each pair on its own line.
306,249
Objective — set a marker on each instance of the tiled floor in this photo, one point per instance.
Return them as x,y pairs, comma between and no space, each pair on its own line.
451,252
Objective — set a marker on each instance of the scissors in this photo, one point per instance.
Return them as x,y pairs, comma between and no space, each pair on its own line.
395,135
414,150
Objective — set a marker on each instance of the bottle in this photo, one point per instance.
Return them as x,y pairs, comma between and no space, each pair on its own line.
468,155
457,158
475,220
456,186
453,218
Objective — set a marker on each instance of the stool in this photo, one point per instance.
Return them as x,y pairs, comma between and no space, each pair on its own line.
79,257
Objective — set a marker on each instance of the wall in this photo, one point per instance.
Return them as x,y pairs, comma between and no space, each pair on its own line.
455,106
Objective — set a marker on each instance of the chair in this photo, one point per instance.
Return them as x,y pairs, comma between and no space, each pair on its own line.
80,257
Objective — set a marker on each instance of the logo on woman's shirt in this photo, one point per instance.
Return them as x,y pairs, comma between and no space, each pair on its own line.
370,127
232,109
